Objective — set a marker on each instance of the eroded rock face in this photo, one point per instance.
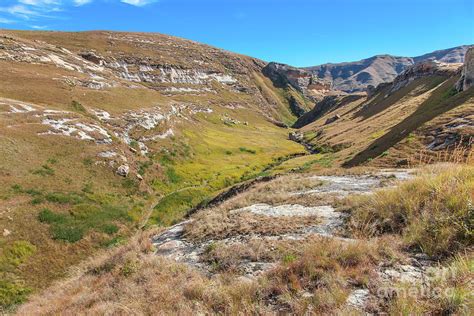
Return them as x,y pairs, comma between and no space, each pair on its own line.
467,78
332,119
300,79
458,131
424,69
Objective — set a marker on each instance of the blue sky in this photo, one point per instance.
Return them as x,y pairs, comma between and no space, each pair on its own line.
297,32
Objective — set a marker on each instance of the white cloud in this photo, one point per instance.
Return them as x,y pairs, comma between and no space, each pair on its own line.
36,10
81,2
138,3
39,3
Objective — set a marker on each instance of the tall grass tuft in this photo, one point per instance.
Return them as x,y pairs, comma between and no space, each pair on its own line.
434,212
461,153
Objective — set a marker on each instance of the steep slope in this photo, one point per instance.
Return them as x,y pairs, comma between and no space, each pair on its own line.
357,76
421,109
102,133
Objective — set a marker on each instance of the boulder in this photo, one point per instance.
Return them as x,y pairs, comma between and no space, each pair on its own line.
296,137
332,119
123,170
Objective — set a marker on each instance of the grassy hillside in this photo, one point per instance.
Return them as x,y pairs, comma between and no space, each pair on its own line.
390,127
67,124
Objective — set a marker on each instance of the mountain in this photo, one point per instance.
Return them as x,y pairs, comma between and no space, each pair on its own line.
358,75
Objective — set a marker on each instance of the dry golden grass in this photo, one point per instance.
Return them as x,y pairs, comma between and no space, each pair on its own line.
448,293
219,222
219,225
131,280
461,153
433,212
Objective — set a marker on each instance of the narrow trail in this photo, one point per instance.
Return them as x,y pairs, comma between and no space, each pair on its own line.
157,201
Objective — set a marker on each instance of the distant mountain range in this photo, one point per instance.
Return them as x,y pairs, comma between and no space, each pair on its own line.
358,75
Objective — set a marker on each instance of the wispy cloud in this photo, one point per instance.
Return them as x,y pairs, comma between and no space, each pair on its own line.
6,21
39,27
33,9
40,3
81,2
39,10
20,10
138,3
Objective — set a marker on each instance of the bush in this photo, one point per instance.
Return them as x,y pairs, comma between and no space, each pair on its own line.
246,150
45,170
76,106
12,293
67,233
63,198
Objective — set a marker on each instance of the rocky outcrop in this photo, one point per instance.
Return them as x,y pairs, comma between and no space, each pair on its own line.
303,81
417,71
467,77
457,132
295,107
424,69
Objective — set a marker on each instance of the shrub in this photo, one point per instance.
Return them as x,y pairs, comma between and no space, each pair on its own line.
76,106
247,150
15,254
63,198
67,233
45,170
12,293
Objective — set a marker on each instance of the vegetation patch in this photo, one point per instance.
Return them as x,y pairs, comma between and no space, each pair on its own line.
82,218
45,170
12,290
433,213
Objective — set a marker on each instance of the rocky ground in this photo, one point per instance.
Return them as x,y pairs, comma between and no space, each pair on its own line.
318,216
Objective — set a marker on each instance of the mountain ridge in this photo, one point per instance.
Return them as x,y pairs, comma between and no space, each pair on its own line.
358,75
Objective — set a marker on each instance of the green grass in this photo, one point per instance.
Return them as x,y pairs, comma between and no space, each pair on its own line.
213,158
83,217
175,205
13,291
246,150
78,107
45,170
